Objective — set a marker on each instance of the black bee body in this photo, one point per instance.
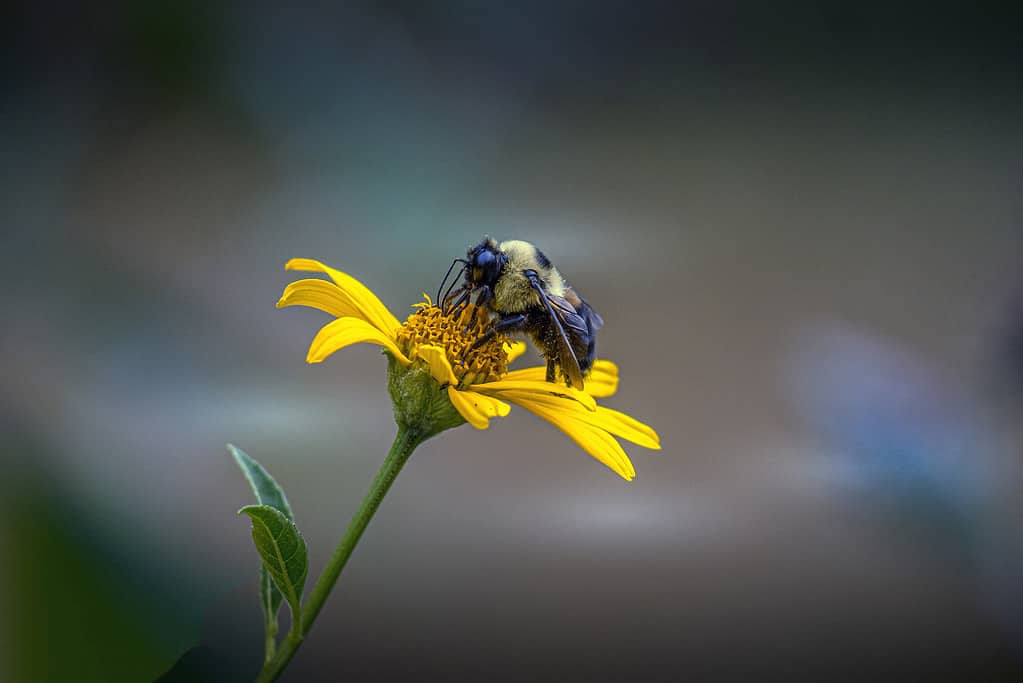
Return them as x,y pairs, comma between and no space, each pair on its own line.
526,292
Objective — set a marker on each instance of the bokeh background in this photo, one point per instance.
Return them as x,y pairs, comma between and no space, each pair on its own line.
802,224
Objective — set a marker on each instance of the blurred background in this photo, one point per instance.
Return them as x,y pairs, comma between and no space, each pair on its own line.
803,227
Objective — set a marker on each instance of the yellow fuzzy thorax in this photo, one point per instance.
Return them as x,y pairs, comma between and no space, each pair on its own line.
523,255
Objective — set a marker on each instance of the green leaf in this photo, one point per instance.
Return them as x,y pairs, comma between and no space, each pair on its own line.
283,551
270,600
268,491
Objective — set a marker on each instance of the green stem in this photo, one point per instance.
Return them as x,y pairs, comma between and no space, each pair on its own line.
404,443
271,642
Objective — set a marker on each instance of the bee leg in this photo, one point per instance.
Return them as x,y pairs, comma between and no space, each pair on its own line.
550,370
458,302
513,322
486,294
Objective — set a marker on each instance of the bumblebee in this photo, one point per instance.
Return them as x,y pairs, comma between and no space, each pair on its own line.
527,294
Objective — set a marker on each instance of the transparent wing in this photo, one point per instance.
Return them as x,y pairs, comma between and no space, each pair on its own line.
569,327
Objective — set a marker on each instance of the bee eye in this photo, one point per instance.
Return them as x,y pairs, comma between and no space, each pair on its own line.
484,259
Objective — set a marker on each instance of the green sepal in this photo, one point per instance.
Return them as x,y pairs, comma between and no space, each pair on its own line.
284,554
421,405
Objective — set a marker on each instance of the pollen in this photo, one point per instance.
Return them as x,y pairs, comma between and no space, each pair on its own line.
456,332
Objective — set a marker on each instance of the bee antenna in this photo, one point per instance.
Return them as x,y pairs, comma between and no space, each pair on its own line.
461,300
447,275
449,294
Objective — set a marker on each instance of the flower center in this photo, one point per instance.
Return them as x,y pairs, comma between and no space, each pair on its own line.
457,332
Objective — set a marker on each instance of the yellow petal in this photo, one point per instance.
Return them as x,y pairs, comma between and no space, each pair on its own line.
591,439
533,374
343,332
537,387
321,295
440,368
624,426
607,419
476,408
601,382
514,349
366,302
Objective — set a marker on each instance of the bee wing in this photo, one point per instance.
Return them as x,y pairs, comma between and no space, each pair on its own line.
590,315
595,320
581,307
572,323
563,315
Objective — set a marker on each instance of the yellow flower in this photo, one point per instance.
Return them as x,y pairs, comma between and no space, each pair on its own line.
475,377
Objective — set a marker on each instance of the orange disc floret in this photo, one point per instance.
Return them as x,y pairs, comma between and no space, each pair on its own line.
456,332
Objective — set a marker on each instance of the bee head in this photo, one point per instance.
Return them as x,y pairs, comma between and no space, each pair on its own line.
485,263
